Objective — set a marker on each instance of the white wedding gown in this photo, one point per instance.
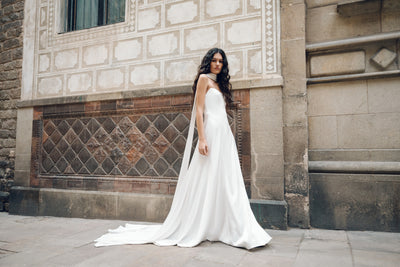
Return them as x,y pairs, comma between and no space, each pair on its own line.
210,201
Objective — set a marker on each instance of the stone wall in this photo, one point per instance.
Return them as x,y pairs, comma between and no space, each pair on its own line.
353,113
78,80
11,18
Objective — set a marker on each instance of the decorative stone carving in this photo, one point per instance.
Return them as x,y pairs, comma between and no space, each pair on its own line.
200,38
243,32
163,44
127,50
50,86
145,74
110,79
181,71
217,8
182,12
94,55
66,59
255,62
383,58
80,82
149,19
44,62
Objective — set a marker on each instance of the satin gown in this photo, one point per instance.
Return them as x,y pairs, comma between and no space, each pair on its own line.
210,201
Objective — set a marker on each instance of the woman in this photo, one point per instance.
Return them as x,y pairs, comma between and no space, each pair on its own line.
210,201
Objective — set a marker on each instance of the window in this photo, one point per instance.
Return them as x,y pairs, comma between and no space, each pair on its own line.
84,14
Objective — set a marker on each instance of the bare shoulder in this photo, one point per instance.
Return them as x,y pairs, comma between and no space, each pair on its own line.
203,77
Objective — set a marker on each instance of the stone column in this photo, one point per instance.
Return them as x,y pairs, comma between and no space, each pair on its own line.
295,132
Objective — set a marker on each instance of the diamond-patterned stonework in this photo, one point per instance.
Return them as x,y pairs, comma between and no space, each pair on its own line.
135,146
151,135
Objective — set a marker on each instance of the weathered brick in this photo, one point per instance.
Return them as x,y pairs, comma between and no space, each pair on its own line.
9,124
7,143
7,10
9,75
9,113
17,53
14,24
5,57
19,6
15,32
4,133
6,85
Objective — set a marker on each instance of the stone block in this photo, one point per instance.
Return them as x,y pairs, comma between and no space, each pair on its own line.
390,21
80,82
149,19
319,23
66,59
269,213
322,132
294,110
237,32
270,187
383,95
354,201
78,204
24,200
181,71
183,12
294,67
268,165
111,79
202,37
218,8
148,74
295,141
293,21
383,58
298,210
338,63
381,130
338,98
296,178
163,44
142,207
50,86
128,49
95,55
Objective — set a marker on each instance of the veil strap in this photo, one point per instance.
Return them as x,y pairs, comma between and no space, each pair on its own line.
189,141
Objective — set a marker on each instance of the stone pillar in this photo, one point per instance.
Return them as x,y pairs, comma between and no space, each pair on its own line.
11,15
295,132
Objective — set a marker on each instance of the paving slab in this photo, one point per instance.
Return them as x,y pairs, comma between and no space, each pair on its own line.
55,241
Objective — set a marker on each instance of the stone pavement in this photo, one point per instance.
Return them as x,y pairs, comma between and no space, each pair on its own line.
53,241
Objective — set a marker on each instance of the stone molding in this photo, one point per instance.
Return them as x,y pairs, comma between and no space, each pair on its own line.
270,81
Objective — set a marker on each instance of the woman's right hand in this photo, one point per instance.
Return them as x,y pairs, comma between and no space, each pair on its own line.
203,147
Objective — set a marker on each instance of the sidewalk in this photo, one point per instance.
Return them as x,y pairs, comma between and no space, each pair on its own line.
52,241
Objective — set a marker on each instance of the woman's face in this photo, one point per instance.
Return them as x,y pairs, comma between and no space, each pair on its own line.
216,63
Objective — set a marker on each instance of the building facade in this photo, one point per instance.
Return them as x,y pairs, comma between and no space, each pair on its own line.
104,109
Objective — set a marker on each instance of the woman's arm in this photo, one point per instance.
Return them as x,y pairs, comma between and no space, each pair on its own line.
201,90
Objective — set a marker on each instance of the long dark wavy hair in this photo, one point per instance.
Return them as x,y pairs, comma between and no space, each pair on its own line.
222,78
